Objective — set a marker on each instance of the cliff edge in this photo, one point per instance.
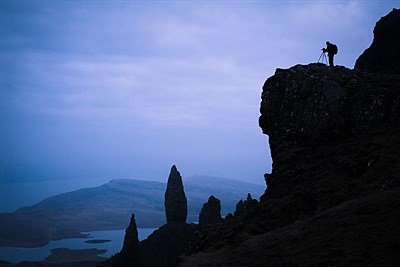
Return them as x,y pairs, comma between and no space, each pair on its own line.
333,195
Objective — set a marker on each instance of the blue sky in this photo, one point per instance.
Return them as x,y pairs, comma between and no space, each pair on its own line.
94,90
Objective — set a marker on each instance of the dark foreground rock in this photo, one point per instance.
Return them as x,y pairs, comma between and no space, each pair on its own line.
161,248
61,264
165,244
70,263
329,130
357,233
383,56
63,255
333,195
211,212
129,254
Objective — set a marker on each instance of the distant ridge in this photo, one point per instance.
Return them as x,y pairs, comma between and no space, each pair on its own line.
110,206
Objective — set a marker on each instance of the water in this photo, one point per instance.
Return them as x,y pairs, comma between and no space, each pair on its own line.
116,237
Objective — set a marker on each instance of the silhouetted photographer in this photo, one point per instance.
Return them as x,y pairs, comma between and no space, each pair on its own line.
332,50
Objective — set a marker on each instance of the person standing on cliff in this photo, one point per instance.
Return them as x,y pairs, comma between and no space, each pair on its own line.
332,51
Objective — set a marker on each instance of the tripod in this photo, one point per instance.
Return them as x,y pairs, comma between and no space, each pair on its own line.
323,58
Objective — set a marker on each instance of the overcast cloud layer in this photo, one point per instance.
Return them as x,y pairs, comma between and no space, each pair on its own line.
99,90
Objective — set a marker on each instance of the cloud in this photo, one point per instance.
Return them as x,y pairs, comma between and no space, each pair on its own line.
134,84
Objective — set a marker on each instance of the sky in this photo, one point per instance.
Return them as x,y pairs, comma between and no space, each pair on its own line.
96,90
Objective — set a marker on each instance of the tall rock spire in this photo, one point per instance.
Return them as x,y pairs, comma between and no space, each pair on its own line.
129,256
131,239
175,199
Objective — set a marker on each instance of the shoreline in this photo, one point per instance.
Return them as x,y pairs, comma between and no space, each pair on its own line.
60,255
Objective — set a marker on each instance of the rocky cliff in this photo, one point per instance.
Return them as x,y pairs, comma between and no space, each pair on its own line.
333,195
383,56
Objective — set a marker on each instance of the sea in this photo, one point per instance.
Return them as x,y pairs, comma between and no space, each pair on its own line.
115,237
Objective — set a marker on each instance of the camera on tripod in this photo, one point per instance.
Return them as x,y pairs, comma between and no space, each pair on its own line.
322,57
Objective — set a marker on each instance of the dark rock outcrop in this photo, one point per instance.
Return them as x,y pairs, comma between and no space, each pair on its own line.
333,193
229,216
383,56
175,199
165,244
130,246
211,212
129,256
250,202
240,208
309,112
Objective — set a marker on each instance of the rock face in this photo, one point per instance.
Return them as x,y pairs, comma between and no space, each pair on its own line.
175,199
131,240
308,110
129,256
165,244
383,56
240,208
211,212
333,193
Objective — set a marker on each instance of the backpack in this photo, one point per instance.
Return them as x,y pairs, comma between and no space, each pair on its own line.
334,49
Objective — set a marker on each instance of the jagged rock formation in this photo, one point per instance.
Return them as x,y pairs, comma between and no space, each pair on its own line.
333,193
211,212
165,244
130,246
240,208
229,216
175,199
383,56
129,256
250,202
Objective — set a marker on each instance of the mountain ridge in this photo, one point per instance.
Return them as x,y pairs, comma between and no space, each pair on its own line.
108,207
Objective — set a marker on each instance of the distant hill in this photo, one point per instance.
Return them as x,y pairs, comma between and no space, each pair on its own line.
110,205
